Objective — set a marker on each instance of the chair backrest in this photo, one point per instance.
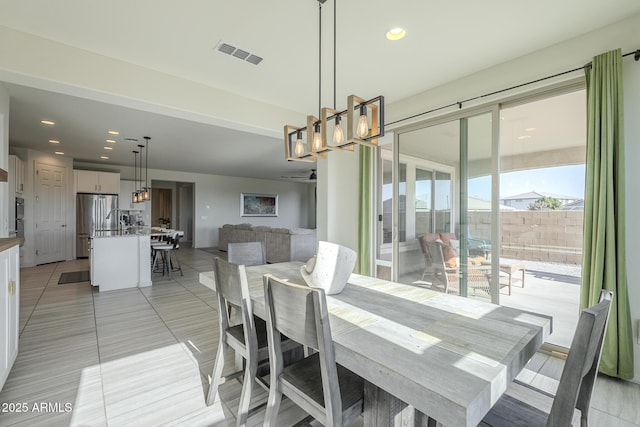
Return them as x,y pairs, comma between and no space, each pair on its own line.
232,288
175,238
435,253
581,368
300,313
247,253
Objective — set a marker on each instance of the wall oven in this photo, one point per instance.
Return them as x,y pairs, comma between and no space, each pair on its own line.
19,217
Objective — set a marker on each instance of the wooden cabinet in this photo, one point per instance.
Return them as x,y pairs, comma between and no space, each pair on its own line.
124,201
9,310
97,182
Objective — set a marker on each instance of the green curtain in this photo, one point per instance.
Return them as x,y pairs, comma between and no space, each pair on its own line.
364,210
603,261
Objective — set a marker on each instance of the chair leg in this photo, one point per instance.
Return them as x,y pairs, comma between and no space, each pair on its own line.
245,396
175,253
216,375
167,262
155,261
273,406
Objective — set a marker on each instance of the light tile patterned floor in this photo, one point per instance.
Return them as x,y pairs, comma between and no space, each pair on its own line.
143,356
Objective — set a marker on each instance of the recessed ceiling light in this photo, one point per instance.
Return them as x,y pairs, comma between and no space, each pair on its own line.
47,122
114,132
529,129
396,33
112,141
60,153
104,157
108,148
524,137
54,141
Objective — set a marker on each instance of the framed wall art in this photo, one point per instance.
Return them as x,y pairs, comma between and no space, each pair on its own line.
258,204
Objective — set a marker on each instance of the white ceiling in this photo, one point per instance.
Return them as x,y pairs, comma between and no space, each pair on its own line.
445,41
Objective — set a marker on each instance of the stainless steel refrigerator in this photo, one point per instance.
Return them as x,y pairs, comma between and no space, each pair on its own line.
94,212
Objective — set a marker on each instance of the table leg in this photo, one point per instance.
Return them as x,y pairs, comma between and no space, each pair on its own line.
523,269
384,409
510,274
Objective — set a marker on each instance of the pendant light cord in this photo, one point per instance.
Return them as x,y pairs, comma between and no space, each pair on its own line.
319,58
334,54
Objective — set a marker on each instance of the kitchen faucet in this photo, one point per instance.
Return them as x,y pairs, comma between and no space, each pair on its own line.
111,211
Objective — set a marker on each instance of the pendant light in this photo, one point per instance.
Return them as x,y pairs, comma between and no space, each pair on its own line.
146,191
141,188
134,195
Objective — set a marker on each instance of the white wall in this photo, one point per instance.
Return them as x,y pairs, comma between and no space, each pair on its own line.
217,200
340,199
4,161
632,140
77,72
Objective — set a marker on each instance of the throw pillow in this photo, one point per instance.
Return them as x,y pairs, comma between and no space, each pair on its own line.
449,256
455,245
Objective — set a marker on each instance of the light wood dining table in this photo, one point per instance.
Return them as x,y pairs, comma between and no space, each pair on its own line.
420,351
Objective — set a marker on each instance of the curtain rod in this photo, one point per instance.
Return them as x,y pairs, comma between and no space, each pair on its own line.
635,53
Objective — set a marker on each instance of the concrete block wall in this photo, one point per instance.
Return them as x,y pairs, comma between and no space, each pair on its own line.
549,236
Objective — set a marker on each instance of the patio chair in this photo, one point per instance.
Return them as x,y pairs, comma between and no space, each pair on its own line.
524,405
478,276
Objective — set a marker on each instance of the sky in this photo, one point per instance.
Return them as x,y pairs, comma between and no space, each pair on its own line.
561,180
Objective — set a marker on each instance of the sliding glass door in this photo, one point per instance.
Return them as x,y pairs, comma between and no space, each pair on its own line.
489,205
441,206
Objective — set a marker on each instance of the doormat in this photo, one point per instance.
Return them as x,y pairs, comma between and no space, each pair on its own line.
74,277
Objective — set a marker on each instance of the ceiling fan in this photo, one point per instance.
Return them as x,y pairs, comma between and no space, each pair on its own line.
311,178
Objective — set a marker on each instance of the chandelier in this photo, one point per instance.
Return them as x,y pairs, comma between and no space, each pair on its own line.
363,119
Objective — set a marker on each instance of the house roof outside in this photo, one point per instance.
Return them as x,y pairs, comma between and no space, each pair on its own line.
535,195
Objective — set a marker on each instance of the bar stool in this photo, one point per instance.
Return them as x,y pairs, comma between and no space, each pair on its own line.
166,251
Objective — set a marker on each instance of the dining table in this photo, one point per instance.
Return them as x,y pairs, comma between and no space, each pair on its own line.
425,355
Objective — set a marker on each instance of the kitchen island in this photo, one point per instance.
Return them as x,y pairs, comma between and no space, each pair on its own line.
120,259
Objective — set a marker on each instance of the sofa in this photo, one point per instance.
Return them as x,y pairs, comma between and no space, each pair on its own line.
281,244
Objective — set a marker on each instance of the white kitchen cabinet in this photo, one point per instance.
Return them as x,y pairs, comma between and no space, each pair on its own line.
9,310
124,201
120,261
97,182
16,174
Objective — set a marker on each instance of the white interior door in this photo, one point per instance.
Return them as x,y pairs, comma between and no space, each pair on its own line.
50,213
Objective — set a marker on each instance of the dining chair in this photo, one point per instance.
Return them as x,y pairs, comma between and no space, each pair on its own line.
328,392
247,253
248,338
524,405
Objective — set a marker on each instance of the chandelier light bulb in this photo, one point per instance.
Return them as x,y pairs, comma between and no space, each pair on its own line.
338,133
299,149
363,126
317,138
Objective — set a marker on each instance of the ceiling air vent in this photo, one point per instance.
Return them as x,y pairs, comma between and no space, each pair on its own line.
254,59
226,48
238,53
